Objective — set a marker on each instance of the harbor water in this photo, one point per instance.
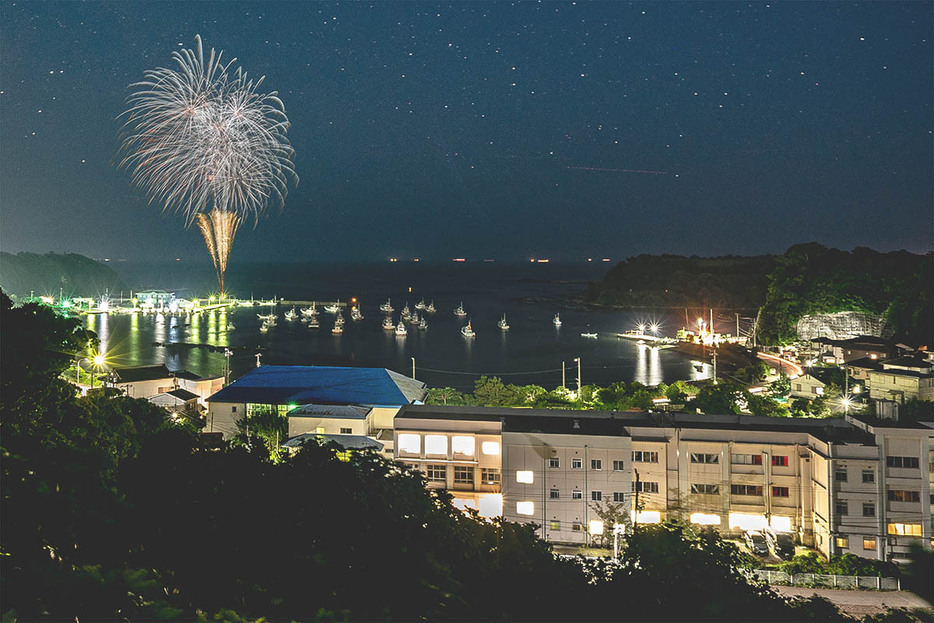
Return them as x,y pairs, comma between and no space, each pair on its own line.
532,351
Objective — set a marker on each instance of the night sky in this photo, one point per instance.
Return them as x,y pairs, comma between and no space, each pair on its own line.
493,129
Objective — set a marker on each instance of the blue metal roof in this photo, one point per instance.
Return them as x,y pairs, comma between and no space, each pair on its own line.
300,385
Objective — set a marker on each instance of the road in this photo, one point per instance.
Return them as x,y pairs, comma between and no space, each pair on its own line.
858,603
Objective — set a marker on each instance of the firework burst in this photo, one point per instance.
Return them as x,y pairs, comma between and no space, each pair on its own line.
201,138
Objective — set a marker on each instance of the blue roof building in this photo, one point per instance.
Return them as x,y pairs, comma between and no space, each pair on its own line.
283,388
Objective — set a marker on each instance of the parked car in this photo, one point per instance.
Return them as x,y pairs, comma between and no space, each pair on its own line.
782,544
756,543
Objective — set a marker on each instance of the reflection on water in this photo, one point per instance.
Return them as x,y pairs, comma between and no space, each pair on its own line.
648,365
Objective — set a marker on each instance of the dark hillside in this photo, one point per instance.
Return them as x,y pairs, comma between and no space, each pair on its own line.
75,275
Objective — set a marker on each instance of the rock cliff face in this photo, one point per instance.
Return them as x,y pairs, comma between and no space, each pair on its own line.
841,326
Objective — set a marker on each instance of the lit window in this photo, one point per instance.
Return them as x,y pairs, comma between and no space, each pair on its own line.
491,505
905,529
646,516
747,521
490,447
554,525
704,519
525,508
462,445
869,543
525,476
577,526
842,542
779,523
436,445
596,527
410,444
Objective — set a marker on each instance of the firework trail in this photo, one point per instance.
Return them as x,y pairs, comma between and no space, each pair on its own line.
202,141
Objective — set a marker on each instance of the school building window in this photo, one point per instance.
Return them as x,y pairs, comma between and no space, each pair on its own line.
644,486
697,457
840,475
617,466
619,496
645,457
463,475
554,525
705,488
577,463
437,473
869,475
746,490
869,543
554,462
554,494
899,495
491,475
746,459
780,461
779,492
577,494
596,496
869,509
596,464
842,507
902,461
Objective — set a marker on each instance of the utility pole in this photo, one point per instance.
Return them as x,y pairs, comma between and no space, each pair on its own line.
413,368
562,375
714,365
737,325
258,355
635,514
227,354
578,360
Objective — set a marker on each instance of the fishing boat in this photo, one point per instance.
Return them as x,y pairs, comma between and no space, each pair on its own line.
420,304
266,317
291,314
459,310
422,324
338,329
401,331
406,312
356,315
388,324
467,330
557,320
414,319
313,323
309,312
264,328
431,308
502,323
589,335
333,309
230,326
387,307
340,319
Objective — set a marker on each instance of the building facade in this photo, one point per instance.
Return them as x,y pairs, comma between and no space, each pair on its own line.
838,485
